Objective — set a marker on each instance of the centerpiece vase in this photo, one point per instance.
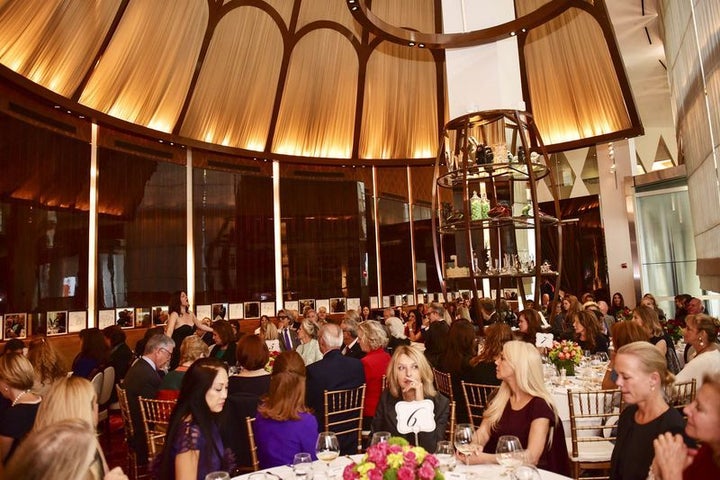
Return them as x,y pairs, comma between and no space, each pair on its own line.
568,365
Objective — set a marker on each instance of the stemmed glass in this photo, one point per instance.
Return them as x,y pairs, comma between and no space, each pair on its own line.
463,441
302,465
379,437
327,448
509,453
445,455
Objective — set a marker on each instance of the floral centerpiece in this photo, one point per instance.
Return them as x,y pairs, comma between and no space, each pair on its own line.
271,360
624,314
565,354
674,328
394,460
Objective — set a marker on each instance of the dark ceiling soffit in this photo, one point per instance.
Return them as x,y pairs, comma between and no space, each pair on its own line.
50,99
403,36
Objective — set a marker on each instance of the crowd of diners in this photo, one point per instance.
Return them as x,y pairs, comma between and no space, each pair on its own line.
277,374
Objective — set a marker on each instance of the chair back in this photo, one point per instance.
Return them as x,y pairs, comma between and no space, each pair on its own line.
681,394
477,396
156,418
107,386
125,413
97,383
251,441
450,430
443,382
593,418
344,412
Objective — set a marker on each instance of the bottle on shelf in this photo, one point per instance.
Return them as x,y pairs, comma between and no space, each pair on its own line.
475,207
484,206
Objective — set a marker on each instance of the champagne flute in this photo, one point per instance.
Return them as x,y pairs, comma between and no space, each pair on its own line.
379,437
302,465
463,441
327,448
509,453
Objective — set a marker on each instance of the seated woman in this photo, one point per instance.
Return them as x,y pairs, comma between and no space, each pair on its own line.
70,397
94,354
529,325
373,339
587,332
16,382
309,349
416,326
66,449
701,332
224,338
523,407
283,424
191,349
642,378
483,369
461,348
194,447
410,378
48,365
673,459
648,319
622,333
269,333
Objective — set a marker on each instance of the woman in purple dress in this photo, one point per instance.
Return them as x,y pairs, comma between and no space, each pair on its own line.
523,407
194,448
283,425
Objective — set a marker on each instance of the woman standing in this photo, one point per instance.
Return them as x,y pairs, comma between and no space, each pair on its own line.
673,459
373,339
283,425
587,332
224,338
523,407
642,378
194,447
180,323
701,333
16,382
309,349
410,378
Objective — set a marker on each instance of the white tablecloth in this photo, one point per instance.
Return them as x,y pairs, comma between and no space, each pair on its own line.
559,395
462,472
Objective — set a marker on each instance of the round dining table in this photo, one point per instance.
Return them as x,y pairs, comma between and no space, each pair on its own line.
321,471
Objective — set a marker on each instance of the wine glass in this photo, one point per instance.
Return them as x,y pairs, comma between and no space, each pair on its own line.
445,454
379,437
509,453
217,476
526,472
327,448
463,440
302,465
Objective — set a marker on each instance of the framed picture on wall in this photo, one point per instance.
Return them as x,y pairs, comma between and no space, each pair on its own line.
203,311
337,305
291,305
252,309
143,317
510,293
322,303
236,311
56,323
353,304
159,315
267,308
15,325
125,317
374,302
306,303
76,321
105,318
219,311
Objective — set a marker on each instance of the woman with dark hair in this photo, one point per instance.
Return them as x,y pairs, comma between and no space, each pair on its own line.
617,306
94,354
562,327
648,319
414,326
529,325
483,369
140,344
284,425
194,446
224,339
180,323
648,300
461,348
587,332
121,357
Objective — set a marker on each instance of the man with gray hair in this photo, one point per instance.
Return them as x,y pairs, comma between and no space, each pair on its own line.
143,380
351,346
436,335
334,372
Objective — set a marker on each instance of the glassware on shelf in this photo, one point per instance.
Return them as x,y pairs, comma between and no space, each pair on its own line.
484,206
475,207
500,152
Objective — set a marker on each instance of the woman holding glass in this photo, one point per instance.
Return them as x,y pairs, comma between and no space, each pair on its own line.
523,408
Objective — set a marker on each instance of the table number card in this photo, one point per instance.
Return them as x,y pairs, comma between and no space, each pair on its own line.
544,340
413,417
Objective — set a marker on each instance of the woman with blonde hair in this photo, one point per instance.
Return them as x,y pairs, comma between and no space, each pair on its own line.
192,348
648,300
47,364
70,397
410,378
284,425
309,349
66,449
702,333
642,378
16,382
269,333
373,340
523,407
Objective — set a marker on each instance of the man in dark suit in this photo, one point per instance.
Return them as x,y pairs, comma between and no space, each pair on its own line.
351,346
288,335
334,372
143,380
436,334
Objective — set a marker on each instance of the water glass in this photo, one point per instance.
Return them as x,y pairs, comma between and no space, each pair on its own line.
526,472
302,466
217,476
509,452
445,453
379,437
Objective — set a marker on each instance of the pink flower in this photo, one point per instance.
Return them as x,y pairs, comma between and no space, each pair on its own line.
406,473
426,472
377,474
349,473
432,461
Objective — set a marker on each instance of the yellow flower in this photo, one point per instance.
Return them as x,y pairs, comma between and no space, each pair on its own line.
420,454
395,460
364,468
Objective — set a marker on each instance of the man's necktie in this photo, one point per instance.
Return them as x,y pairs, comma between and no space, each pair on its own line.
288,342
